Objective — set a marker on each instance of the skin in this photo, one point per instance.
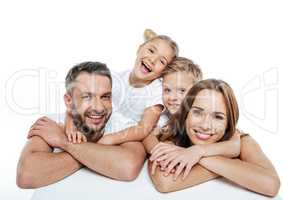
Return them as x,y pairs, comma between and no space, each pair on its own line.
175,87
121,162
154,55
251,170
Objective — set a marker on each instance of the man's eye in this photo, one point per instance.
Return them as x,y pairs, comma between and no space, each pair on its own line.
108,97
86,97
162,62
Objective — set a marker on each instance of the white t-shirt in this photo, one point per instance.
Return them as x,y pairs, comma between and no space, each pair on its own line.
131,101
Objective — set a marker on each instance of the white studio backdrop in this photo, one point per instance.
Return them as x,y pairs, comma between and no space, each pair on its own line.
238,41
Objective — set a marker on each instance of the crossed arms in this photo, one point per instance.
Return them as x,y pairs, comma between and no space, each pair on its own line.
39,166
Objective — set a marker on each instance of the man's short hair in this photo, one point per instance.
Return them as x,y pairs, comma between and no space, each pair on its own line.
88,67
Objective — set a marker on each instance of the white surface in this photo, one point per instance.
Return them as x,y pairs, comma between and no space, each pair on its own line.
87,185
238,41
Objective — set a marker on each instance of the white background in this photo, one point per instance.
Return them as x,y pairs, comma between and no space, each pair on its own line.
238,41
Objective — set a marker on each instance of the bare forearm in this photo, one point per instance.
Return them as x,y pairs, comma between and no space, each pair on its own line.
43,168
149,142
248,175
197,175
131,134
229,149
112,161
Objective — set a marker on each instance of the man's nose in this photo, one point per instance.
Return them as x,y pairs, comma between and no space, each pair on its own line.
97,105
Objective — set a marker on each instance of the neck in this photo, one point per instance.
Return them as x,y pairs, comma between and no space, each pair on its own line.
136,82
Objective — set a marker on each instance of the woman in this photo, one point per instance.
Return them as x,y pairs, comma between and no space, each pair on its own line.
209,114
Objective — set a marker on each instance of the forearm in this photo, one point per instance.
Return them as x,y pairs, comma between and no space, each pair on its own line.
43,168
149,142
229,149
164,184
248,175
131,134
115,162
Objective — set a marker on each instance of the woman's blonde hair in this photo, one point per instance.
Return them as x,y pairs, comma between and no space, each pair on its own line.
150,35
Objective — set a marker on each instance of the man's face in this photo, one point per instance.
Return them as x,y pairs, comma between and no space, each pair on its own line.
91,102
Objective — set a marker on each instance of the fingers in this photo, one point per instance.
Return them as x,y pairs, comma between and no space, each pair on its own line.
161,151
84,139
153,168
186,172
171,166
179,169
166,162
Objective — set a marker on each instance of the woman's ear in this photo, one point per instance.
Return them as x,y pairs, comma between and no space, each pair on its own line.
68,102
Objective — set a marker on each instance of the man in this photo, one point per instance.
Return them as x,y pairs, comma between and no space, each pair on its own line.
88,98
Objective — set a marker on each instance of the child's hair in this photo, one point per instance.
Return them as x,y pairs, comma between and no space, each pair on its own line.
150,35
181,64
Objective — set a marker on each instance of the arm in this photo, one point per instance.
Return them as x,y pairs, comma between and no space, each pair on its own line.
230,148
151,140
122,162
38,166
166,184
252,171
136,133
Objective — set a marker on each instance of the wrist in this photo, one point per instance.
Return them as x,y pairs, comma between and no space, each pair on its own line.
201,150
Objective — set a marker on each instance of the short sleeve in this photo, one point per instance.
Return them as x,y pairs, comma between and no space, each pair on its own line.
155,94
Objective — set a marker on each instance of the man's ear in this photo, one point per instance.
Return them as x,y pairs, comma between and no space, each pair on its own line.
68,102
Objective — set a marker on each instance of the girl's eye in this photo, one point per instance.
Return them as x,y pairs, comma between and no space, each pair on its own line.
182,90
162,62
151,50
166,90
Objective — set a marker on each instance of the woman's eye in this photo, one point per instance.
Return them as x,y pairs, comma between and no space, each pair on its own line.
219,117
196,112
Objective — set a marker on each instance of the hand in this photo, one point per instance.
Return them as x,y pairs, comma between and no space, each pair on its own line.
49,131
161,149
182,160
70,126
106,140
76,137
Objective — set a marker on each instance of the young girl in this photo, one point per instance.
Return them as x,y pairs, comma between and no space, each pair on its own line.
209,117
137,93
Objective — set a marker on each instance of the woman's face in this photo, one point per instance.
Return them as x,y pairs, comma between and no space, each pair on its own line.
152,58
175,87
207,119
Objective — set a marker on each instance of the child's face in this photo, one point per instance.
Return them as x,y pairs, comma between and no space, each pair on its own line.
152,58
175,87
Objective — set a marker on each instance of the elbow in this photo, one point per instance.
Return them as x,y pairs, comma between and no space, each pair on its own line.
131,170
23,179
273,187
160,184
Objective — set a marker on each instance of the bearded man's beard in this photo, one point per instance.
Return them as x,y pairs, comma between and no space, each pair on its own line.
90,133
